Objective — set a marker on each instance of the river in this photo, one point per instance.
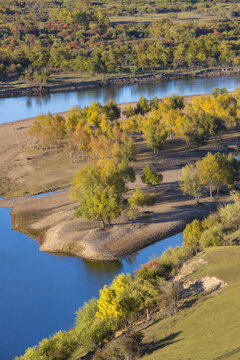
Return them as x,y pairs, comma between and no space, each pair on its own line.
26,107
41,292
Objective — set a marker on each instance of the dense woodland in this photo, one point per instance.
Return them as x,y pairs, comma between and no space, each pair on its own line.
42,38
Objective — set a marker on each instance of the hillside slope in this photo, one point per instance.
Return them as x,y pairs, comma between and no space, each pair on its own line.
209,330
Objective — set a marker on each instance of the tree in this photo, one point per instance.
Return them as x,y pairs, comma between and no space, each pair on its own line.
126,171
139,198
99,190
192,234
132,213
110,302
235,166
214,171
49,129
129,111
155,135
190,182
111,110
124,149
142,106
150,176
177,101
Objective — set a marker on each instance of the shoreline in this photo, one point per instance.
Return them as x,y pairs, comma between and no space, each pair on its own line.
50,220
116,81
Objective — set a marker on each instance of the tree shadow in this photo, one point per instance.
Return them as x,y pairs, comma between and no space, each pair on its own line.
150,347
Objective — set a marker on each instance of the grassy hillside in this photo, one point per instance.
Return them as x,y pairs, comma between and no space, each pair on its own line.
210,329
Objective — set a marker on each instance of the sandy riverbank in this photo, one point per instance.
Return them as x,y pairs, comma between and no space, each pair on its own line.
50,218
26,171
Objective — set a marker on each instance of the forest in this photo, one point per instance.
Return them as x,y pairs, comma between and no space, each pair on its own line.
41,39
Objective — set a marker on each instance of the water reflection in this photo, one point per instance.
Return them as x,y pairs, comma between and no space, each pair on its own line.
26,107
97,267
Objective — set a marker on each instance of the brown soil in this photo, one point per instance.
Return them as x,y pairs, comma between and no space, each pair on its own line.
27,170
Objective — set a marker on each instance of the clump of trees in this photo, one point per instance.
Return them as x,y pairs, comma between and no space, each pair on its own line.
96,132
214,171
99,190
214,230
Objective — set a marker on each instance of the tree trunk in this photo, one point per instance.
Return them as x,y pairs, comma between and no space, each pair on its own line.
210,190
148,316
103,224
109,222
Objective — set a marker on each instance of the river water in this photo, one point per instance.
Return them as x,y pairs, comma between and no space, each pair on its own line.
41,292
25,107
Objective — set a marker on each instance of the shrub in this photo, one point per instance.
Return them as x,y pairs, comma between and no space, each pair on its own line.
192,234
58,347
126,347
213,236
139,198
92,330
210,221
150,270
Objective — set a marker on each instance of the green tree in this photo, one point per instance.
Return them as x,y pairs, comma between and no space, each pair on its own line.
99,190
192,235
142,106
155,135
150,176
214,171
111,110
190,182
235,166
139,198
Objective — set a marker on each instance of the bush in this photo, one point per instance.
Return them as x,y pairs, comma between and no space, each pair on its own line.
127,347
229,216
213,236
139,198
150,270
210,221
58,347
92,330
192,234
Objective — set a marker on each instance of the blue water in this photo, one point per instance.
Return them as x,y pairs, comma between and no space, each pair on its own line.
26,107
41,292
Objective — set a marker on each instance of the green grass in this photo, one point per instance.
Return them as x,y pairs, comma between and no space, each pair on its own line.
209,330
